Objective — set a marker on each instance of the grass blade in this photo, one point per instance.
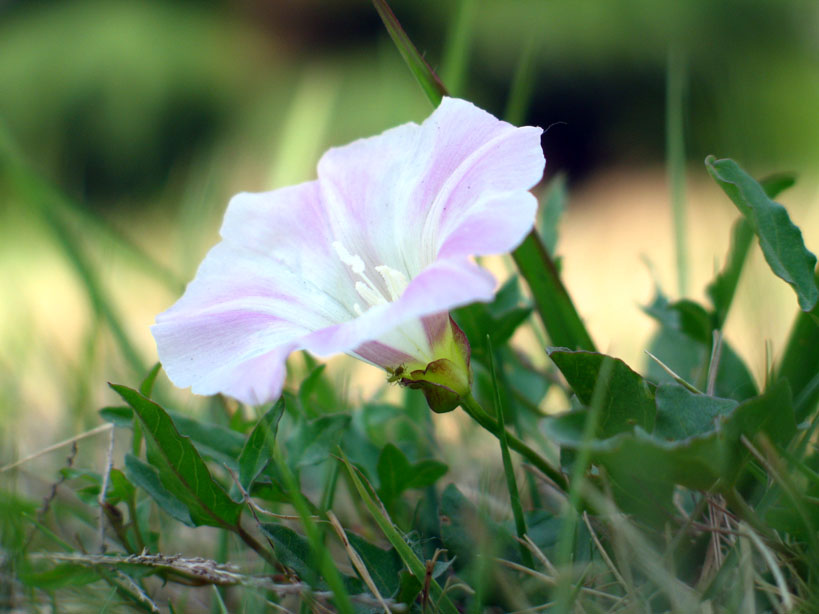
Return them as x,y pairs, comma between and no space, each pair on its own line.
418,66
554,306
456,55
520,93
675,159
411,560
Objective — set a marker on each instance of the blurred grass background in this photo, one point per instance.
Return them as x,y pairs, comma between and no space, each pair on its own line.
145,117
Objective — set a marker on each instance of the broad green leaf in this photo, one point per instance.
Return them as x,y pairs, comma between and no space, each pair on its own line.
258,449
468,532
312,442
293,551
780,240
418,66
684,344
118,416
721,290
181,470
800,362
425,473
146,388
499,319
396,474
777,183
408,589
643,461
554,306
682,414
118,488
212,440
384,565
317,394
393,470
628,400
146,477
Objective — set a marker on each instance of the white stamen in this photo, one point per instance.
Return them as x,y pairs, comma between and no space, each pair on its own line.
396,281
371,295
355,263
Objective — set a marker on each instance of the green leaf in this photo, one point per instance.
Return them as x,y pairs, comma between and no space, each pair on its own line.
639,461
293,551
146,477
684,344
554,306
118,489
118,416
418,66
258,449
777,183
682,414
780,240
499,319
628,400
800,363
425,473
147,385
396,474
393,470
721,290
181,470
312,442
384,565
409,588
468,532
212,440
317,394
398,541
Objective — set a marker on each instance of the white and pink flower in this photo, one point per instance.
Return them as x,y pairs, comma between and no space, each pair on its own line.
366,260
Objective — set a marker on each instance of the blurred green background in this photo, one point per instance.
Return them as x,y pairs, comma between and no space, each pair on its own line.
146,116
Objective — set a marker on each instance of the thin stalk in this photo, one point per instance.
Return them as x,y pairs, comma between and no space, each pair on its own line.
508,467
479,415
675,159
418,66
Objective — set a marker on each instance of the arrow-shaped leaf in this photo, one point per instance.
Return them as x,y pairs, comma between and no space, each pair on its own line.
780,240
181,470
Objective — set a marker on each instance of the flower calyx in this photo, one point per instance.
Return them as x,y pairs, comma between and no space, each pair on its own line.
443,381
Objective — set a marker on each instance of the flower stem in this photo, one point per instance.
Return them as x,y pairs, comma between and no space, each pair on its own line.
479,415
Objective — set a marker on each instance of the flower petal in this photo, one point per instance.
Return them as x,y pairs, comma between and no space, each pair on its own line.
271,281
444,285
414,189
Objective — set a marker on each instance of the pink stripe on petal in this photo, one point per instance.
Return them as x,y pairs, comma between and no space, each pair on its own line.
382,355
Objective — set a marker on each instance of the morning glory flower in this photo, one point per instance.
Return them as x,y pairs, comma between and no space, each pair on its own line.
366,260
